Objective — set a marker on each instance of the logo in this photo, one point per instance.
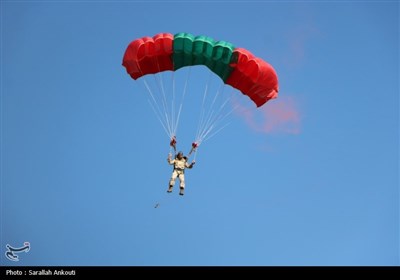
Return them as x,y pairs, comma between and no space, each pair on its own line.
11,251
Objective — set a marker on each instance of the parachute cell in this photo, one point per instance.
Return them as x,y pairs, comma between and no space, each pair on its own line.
202,50
253,77
149,55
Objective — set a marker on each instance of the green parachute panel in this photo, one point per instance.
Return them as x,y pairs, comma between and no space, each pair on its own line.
189,50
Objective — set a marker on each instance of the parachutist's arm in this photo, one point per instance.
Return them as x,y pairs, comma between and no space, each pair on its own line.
190,166
170,160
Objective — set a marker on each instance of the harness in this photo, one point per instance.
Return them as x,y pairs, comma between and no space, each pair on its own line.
179,169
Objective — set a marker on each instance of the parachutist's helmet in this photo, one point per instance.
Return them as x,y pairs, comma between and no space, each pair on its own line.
179,155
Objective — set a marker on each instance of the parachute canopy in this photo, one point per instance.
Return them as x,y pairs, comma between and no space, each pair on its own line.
237,67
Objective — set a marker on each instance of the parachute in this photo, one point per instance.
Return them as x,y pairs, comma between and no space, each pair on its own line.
236,67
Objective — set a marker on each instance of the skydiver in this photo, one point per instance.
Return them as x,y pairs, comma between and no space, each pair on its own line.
180,164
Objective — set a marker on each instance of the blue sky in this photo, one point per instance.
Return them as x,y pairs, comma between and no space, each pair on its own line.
311,178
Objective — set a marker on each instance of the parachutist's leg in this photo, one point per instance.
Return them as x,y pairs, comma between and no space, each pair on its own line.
172,181
181,184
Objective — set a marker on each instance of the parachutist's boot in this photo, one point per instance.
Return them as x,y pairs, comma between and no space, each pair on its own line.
170,189
181,191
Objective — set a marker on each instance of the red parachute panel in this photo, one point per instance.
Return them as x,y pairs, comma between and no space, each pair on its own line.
253,77
149,55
